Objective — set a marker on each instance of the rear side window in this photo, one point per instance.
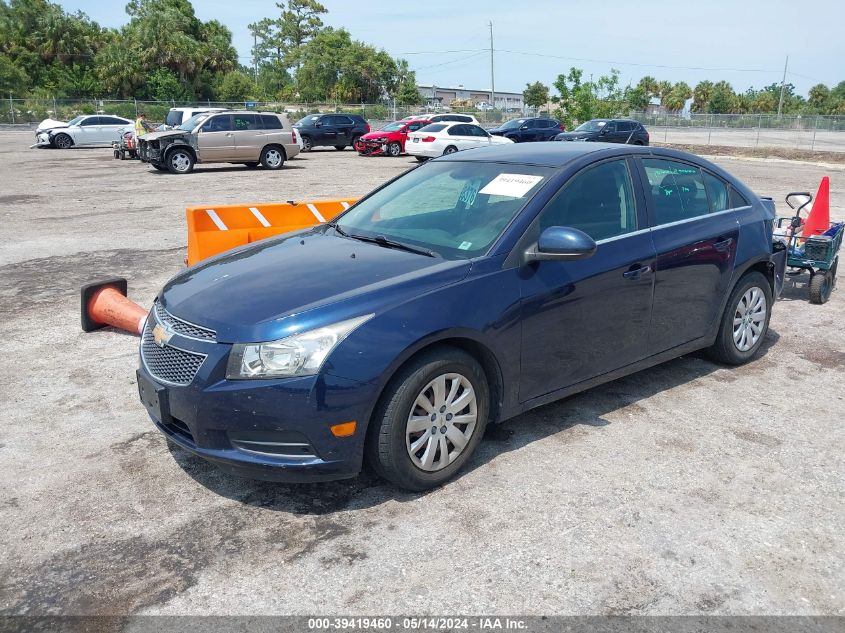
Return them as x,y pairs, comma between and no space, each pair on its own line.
271,122
625,126
737,200
677,190
174,118
717,193
244,122
598,201
111,120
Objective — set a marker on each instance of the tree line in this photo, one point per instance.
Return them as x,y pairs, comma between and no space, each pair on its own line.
164,52
579,100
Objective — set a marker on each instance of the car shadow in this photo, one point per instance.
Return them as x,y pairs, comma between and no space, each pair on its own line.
216,170
588,409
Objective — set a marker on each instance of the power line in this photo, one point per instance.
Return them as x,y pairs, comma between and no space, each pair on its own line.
453,61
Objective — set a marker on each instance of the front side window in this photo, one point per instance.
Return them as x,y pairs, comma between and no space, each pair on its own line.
677,190
456,209
91,120
591,126
476,131
513,124
218,124
458,130
416,126
598,201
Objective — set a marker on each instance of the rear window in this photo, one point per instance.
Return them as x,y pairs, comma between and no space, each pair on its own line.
434,127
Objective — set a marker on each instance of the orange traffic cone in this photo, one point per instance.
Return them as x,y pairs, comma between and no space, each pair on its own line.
105,303
819,219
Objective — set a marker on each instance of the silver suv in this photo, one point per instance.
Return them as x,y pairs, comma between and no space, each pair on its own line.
249,138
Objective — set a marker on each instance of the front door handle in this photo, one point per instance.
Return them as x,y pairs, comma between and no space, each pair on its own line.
636,273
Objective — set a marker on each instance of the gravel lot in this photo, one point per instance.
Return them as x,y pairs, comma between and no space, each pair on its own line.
686,489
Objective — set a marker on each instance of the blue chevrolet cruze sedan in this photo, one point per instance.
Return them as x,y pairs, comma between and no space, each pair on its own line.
462,293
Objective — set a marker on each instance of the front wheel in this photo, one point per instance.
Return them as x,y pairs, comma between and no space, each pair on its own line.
272,158
394,149
745,321
340,148
430,420
63,141
180,161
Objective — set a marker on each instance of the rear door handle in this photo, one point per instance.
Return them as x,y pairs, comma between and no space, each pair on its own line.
723,244
637,272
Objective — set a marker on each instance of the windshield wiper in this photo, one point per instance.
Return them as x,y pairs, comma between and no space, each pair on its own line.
381,240
337,228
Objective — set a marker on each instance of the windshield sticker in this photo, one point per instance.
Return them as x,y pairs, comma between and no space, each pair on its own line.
469,192
511,185
465,246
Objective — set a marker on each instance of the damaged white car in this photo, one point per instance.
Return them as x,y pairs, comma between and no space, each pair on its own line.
84,130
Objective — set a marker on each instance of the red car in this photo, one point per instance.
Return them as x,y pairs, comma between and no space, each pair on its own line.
388,140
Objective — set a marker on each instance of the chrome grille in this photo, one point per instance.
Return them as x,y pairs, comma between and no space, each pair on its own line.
182,327
169,364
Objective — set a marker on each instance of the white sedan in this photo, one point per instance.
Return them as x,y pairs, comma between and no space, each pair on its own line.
437,139
91,129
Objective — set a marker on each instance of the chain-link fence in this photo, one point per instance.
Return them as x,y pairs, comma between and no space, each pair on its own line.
28,111
803,132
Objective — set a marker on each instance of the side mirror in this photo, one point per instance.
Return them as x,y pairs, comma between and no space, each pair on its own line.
561,243
603,131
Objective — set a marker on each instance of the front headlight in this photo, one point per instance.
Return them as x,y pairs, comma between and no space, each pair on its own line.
300,354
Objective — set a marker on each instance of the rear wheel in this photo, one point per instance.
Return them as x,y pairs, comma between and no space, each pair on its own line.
745,321
421,159
63,141
180,161
821,285
450,150
306,144
430,420
394,149
272,157
251,165
340,148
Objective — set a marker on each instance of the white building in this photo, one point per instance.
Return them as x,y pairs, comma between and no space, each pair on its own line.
435,95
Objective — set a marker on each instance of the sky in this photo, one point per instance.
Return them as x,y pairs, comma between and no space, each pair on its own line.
745,42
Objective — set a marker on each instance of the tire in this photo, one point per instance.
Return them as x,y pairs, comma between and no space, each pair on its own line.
737,343
63,141
821,285
272,157
394,149
159,167
421,159
438,455
638,142
340,148
307,145
355,140
116,154
179,161
252,165
450,150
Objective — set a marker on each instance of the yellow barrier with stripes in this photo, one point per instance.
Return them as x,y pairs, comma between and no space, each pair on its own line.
214,229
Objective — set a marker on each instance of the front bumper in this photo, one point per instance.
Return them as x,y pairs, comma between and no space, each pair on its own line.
276,430
149,152
42,139
371,148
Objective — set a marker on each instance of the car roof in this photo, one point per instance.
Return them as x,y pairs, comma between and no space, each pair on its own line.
556,154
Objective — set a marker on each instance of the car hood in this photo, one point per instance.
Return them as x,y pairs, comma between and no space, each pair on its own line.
154,136
393,136
301,280
49,124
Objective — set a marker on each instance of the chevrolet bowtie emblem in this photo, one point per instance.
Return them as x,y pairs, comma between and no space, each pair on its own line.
161,335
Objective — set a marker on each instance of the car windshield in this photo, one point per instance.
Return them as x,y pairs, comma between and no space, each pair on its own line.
194,121
591,126
513,124
75,120
394,127
455,209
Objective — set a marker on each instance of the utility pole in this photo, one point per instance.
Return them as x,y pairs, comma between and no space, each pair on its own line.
492,74
782,86
255,56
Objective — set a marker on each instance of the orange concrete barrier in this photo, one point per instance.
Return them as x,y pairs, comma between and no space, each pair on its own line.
105,303
219,228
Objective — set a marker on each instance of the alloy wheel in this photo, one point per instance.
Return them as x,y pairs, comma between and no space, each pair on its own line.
273,157
180,161
441,422
749,319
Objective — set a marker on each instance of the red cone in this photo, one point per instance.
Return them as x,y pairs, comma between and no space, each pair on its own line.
819,219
